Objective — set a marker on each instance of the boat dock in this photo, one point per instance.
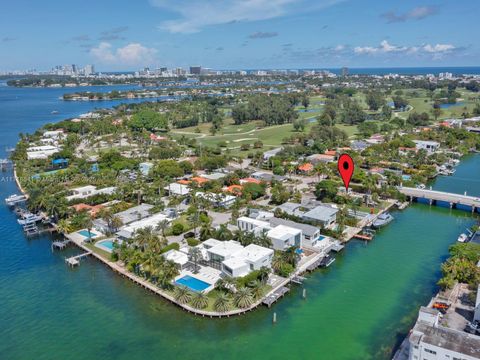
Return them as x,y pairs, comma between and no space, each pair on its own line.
75,260
60,244
275,295
363,237
450,198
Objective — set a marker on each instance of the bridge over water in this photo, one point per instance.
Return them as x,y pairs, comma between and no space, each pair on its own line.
434,196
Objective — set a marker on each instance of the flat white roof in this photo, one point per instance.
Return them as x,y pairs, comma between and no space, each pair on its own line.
177,189
226,248
279,232
235,263
211,242
149,221
176,256
258,223
255,252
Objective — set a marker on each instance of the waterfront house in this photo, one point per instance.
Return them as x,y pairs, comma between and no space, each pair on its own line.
128,231
284,237
234,259
323,215
42,151
310,234
430,146
429,340
179,258
89,190
127,216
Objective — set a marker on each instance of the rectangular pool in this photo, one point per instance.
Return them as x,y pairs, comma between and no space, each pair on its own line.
192,283
86,234
106,245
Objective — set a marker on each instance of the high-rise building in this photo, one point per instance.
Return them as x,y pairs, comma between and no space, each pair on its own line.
345,71
88,70
195,70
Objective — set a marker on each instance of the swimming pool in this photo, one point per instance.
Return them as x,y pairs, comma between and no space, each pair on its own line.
86,234
192,283
106,245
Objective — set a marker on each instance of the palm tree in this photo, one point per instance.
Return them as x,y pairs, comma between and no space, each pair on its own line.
263,274
194,219
263,239
277,262
223,233
222,302
162,226
290,255
182,294
64,226
257,289
199,300
195,255
115,223
243,298
205,231
144,237
166,273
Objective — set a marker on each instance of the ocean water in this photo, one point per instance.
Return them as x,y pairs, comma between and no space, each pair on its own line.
359,308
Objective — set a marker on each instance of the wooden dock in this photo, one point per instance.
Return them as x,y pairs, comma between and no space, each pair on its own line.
363,237
75,260
275,295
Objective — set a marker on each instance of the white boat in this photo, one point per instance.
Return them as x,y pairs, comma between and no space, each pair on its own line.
462,238
29,219
421,186
382,220
15,199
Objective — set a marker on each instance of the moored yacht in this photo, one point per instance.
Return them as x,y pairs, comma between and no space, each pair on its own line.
382,220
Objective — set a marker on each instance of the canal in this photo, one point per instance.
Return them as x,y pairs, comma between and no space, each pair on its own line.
359,308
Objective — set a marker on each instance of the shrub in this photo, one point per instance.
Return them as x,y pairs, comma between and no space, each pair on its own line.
169,247
193,242
177,229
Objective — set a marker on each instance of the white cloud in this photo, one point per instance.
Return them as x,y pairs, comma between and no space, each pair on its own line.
438,48
385,48
194,15
418,13
131,54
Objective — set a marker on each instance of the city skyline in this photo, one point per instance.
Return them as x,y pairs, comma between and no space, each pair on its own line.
122,36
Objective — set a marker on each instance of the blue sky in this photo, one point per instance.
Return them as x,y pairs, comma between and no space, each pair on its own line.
232,34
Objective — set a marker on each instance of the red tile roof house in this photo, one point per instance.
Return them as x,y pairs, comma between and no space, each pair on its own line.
305,168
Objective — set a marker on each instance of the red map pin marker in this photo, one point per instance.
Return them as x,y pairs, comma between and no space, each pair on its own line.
345,168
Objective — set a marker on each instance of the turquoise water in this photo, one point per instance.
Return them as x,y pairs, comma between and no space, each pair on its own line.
192,283
87,234
359,308
106,245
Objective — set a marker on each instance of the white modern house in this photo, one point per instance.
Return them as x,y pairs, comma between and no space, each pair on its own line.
236,260
429,146
310,234
284,237
248,224
89,190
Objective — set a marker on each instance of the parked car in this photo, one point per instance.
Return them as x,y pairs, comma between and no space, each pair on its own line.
473,327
